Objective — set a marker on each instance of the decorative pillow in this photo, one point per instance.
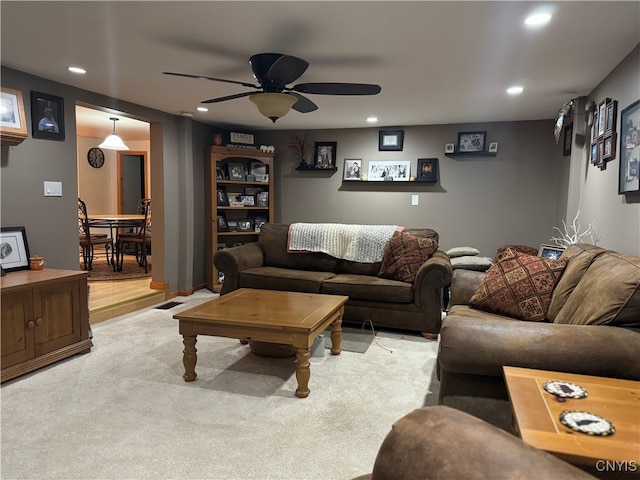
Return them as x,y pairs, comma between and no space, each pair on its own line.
518,248
480,264
403,256
519,286
462,252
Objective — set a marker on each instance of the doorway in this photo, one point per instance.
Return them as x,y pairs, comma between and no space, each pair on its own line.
133,183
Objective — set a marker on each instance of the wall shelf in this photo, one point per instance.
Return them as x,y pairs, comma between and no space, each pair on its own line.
472,154
334,169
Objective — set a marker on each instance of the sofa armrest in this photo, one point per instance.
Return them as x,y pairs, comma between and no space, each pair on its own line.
481,346
233,260
433,276
464,283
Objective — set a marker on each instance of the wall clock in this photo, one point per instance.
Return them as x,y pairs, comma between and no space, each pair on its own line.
95,157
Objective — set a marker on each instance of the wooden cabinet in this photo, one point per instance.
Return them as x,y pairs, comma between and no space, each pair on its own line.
45,318
226,170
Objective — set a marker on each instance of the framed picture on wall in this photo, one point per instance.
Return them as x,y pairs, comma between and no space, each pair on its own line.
325,155
566,144
427,170
352,169
47,116
398,171
629,180
471,142
390,140
12,118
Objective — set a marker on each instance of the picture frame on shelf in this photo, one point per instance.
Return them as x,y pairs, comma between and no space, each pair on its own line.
13,124
236,171
390,140
427,170
262,178
629,153
14,249
47,116
221,196
352,170
612,116
257,168
449,148
325,155
398,171
262,199
552,252
244,225
493,147
220,174
602,115
253,190
233,225
248,200
567,140
471,142
223,226
258,219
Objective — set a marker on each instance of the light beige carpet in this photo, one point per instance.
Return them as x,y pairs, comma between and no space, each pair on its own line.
124,411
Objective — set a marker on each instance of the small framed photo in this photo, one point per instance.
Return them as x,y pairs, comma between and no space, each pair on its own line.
594,153
567,141
257,168
220,175
325,155
223,226
12,117
236,171
594,127
612,112
389,171
258,219
248,200
390,140
552,252
47,116
262,178
609,147
472,142
221,196
449,148
493,147
14,249
602,115
601,163
244,225
352,169
262,199
253,190
427,170
233,225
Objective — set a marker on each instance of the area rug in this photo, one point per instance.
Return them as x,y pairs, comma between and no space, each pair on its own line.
354,340
104,271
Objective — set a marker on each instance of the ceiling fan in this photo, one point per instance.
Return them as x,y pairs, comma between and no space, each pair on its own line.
273,72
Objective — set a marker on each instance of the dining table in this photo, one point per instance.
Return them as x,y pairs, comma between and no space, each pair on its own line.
115,223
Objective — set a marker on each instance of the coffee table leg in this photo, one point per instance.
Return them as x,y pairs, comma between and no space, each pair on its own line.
336,337
189,358
303,372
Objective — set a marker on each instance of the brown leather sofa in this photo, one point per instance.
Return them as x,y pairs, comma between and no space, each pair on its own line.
266,264
443,443
591,329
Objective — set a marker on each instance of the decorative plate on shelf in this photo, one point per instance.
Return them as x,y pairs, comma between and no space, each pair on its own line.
565,389
587,423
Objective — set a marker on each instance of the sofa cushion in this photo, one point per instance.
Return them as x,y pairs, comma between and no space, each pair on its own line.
347,266
466,262
404,255
462,252
368,288
607,294
273,278
273,241
579,258
519,285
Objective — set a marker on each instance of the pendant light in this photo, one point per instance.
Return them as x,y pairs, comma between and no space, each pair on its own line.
113,141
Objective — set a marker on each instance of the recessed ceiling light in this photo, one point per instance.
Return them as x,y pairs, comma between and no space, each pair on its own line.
537,19
372,119
202,109
77,70
515,90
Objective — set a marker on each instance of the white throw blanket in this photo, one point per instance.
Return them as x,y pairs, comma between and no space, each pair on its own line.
358,243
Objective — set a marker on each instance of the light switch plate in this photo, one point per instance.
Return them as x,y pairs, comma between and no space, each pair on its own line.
52,189
415,200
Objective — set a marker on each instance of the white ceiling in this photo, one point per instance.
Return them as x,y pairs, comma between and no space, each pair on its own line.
437,62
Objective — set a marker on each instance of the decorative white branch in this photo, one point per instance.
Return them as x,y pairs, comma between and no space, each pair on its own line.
572,234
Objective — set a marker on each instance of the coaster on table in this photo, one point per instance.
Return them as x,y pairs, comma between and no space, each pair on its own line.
588,423
565,389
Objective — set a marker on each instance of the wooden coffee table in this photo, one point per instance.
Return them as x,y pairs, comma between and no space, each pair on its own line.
537,412
290,318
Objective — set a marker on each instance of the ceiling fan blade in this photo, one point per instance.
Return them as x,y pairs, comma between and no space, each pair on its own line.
338,88
228,97
202,77
277,68
303,105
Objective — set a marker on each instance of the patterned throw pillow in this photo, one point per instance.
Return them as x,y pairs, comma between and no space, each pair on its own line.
519,248
404,255
519,286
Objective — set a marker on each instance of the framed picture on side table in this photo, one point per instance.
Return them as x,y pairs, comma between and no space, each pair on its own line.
14,249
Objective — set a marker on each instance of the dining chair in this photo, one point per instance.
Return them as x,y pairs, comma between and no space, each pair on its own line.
139,238
88,241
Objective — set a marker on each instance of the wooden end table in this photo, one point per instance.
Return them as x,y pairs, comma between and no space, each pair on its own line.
291,318
537,412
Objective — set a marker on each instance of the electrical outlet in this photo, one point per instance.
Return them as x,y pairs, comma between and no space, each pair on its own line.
415,200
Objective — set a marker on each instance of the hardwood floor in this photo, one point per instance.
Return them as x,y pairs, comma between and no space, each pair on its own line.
109,299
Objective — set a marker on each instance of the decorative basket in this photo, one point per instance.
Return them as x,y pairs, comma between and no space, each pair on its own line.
272,349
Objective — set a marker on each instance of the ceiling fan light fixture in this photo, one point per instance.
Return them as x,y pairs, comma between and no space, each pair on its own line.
273,105
113,141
